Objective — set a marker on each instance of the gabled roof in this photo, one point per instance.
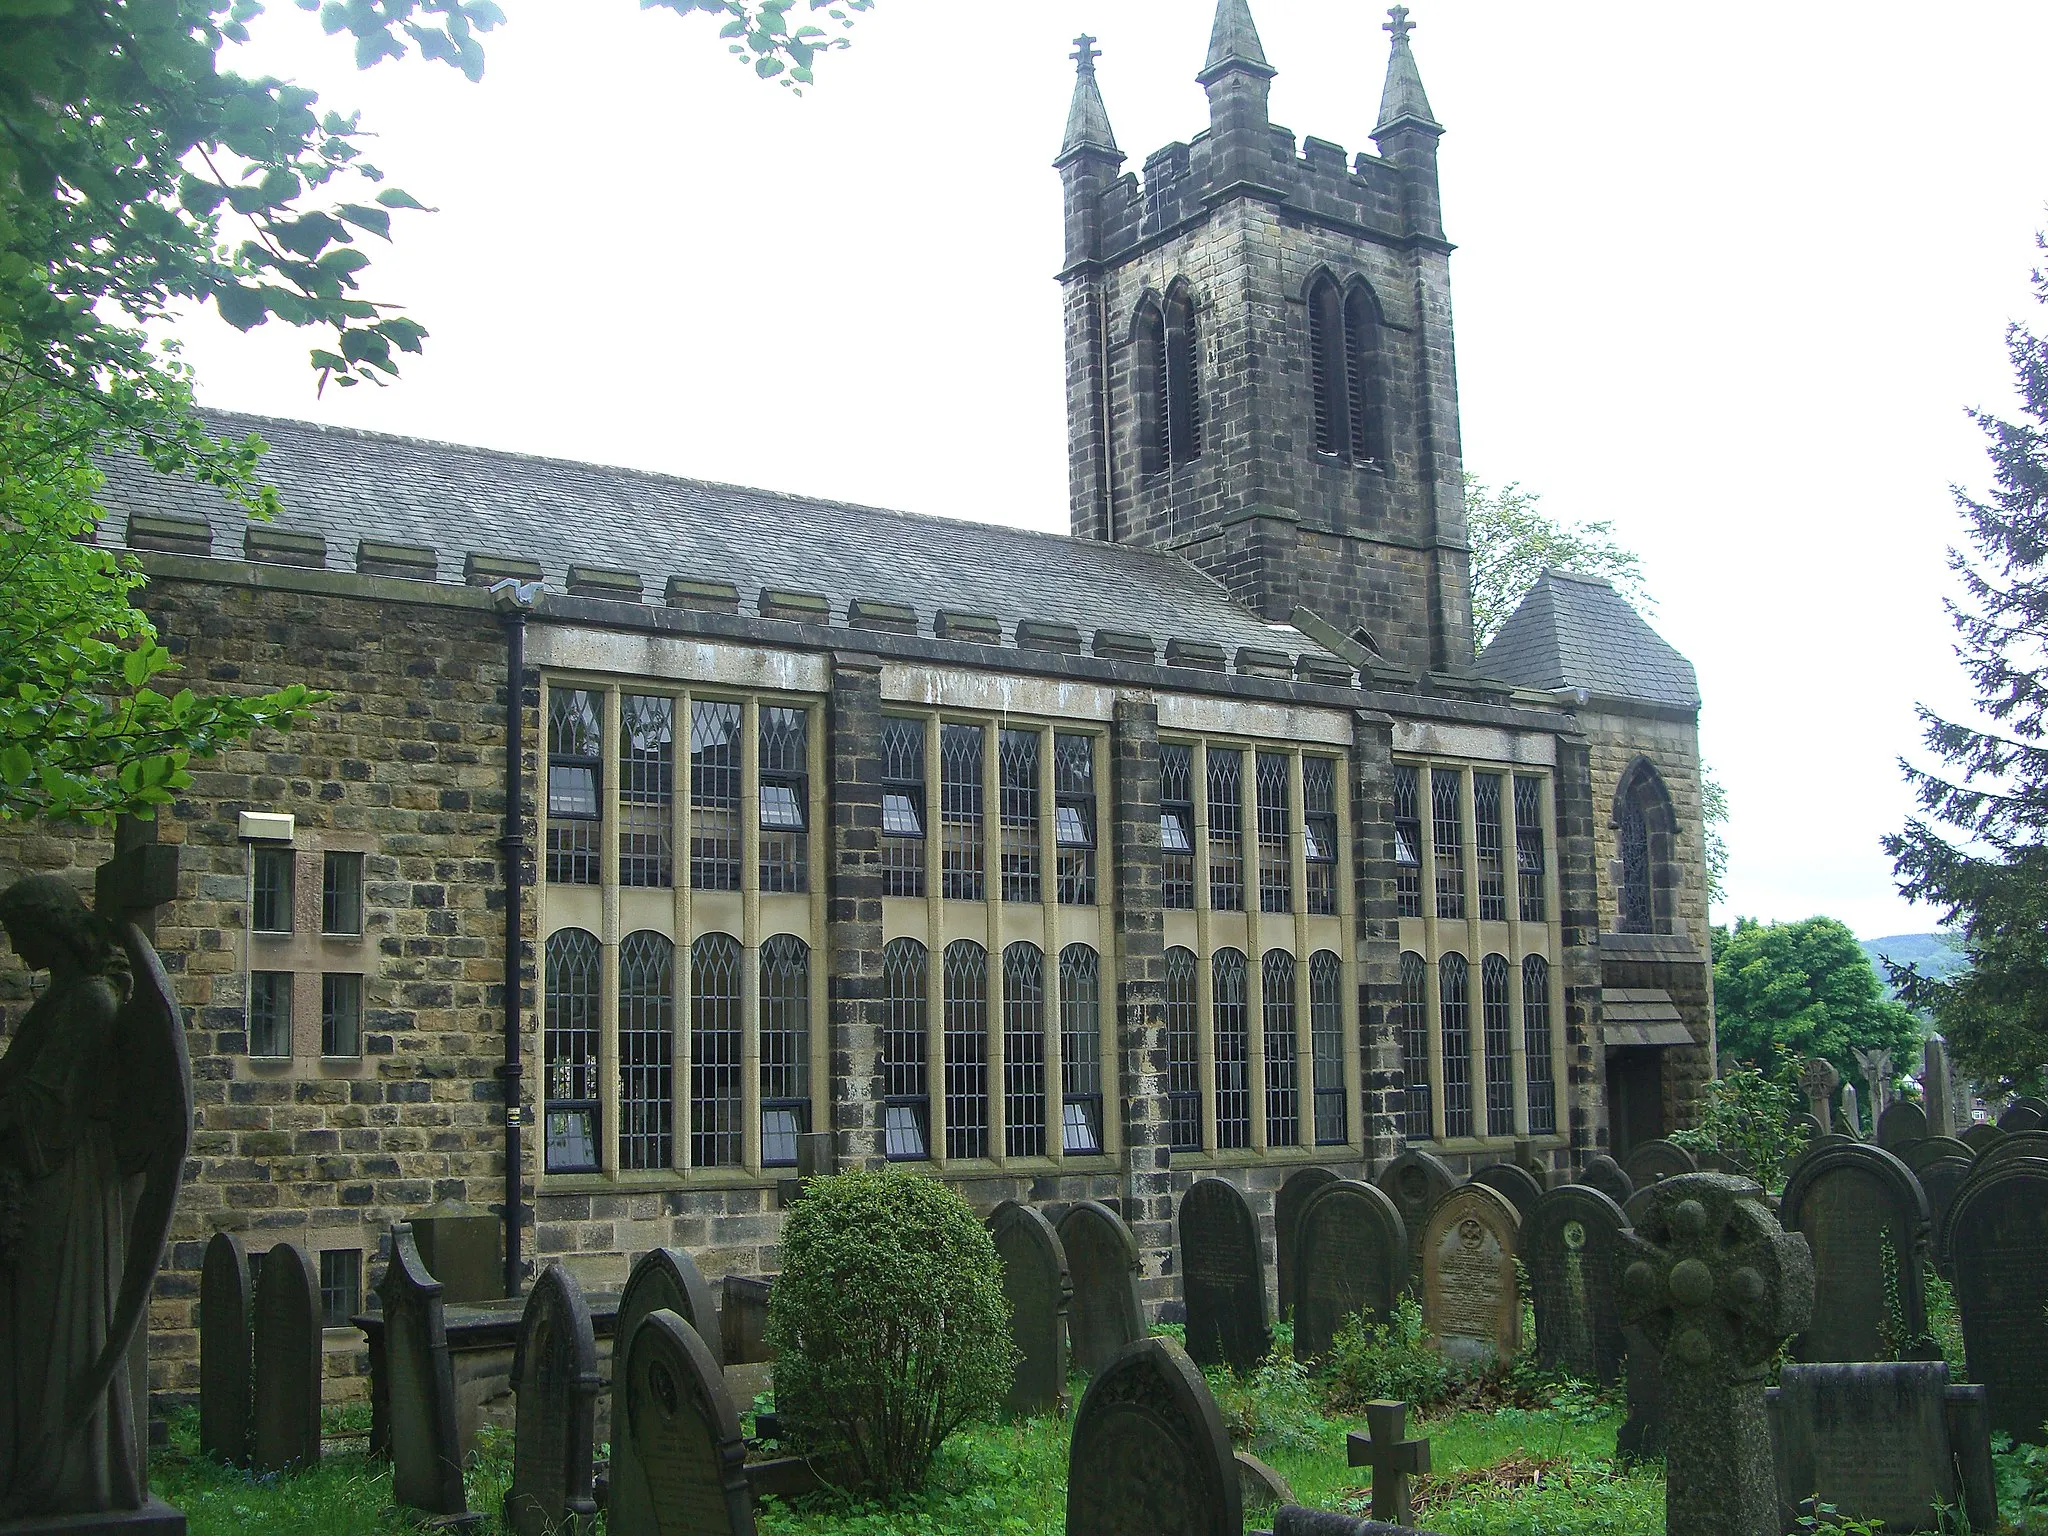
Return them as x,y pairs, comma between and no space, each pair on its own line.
349,486
1575,631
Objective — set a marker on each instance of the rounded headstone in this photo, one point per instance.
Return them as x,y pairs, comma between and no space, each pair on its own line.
2025,1113
1415,1180
1652,1161
1941,1181
2015,1144
1470,1300
1980,1137
1035,1282
1102,1259
1934,1149
225,1365
1520,1185
285,1343
662,1280
1851,1203
554,1385
1606,1175
689,1459
1149,1453
1351,1256
1998,1250
1287,1207
1221,1278
1569,1244
1903,1124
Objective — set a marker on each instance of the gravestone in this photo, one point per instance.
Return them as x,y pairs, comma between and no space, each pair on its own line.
1392,1455
1469,1296
1932,1149
1650,1161
1521,1187
1717,1286
687,1470
1806,1131
1221,1279
2015,1144
1300,1187
1641,1435
1568,1248
1149,1455
554,1378
1606,1175
2020,1115
1998,1249
1351,1256
460,1247
1875,1067
1941,1181
426,1457
1938,1087
1981,1137
1851,1121
1102,1260
285,1331
226,1366
1035,1281
1882,1442
743,1320
1259,1486
668,1278
1852,1203
1818,1080
1415,1180
1901,1125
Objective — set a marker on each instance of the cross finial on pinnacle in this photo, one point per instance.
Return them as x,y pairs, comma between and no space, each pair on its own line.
1085,53
1398,24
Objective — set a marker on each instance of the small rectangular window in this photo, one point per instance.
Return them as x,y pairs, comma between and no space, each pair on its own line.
1449,829
341,1286
1487,854
647,790
341,894
1276,871
1177,826
715,728
1073,782
1319,832
1407,842
960,850
785,800
270,1013
1226,829
903,831
1017,766
1529,871
341,1014
575,748
270,907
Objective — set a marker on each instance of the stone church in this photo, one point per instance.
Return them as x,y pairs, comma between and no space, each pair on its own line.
1197,842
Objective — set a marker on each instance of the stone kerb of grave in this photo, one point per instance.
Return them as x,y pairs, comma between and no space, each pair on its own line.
1717,1286
426,1457
226,1366
1351,1256
1415,1180
689,1460
1569,1245
1609,1177
1295,1194
1864,1218
1106,1313
285,1346
554,1377
1150,1456
1997,1237
1901,1125
1470,1301
1650,1162
1036,1281
1222,1281
1520,1186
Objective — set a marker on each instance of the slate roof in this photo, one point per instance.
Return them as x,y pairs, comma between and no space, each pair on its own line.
1575,631
349,485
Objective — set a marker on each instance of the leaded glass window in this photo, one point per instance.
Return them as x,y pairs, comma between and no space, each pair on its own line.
1073,782
716,1033
1414,1040
1080,1050
1226,829
1498,1045
575,769
647,776
902,807
1487,854
715,741
785,1048
1183,1065
1454,1004
1023,1051
1231,1024
1408,842
1536,1046
1017,779
966,1040
1276,868
906,1080
785,776
647,1033
1449,834
1283,1075
1633,836
1177,825
1529,870
1319,832
960,847
569,1051
1326,1037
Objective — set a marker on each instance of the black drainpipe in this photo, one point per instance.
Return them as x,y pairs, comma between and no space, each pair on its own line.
514,601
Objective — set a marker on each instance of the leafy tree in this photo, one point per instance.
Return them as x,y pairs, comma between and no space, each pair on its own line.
1747,1117
1988,870
1787,991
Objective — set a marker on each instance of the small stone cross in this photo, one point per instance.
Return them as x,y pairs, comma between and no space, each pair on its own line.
1818,1080
140,877
1085,53
1393,1459
1400,26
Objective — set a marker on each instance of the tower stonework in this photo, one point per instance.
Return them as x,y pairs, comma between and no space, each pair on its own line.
1244,226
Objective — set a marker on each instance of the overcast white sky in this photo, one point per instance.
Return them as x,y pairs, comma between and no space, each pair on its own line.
1727,276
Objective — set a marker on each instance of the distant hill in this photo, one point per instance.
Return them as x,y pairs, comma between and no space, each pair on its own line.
1937,954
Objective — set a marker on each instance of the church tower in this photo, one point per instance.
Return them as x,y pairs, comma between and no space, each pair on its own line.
1259,360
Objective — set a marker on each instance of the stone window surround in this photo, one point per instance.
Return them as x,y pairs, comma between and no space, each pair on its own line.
306,952
1432,938
683,915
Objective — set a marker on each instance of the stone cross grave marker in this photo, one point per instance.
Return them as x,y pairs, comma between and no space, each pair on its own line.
286,1350
1902,1124
1036,1282
1351,1256
1102,1260
1606,1175
1520,1186
1818,1080
664,1279
1469,1298
1221,1278
1865,1222
689,1458
1149,1455
226,1366
1649,1161
1998,1249
1569,1246
1295,1194
426,1456
1876,1069
1717,1285
554,1383
1415,1180
1393,1457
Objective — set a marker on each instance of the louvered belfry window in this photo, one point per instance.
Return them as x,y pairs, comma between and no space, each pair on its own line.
1327,387
1149,387
1365,376
1183,1062
1183,378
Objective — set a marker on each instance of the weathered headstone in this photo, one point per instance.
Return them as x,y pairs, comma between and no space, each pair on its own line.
1036,1283
1221,1278
1981,1137
1102,1260
2015,1144
1641,1434
1941,1181
554,1377
1470,1301
1938,1087
1301,1185
1998,1249
1901,1125
1149,1455
688,1466
285,1349
1650,1161
460,1247
1259,1485
1606,1175
1875,1068
1717,1286
1351,1256
1851,1120
664,1280
1569,1246
1865,1223
1415,1180
1932,1149
1521,1187
743,1320
426,1457
1818,1080
1393,1456
2022,1115
226,1366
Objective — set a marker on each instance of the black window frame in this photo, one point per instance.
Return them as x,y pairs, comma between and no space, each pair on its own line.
273,878
1177,865
1408,840
341,1004
271,1002
1075,875
573,832
341,894
903,853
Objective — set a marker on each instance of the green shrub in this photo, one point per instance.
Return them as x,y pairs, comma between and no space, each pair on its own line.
1747,1117
889,1322
1395,1359
1273,1410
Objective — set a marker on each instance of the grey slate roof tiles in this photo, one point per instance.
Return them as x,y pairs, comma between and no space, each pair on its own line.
350,486
1575,631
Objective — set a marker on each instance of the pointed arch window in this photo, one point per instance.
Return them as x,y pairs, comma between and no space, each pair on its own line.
1183,378
1183,1066
1414,1039
1498,1044
1644,828
1080,1050
715,1036
1326,1036
1023,1051
1326,373
1536,1046
966,1041
785,1048
1231,1023
1454,992
1347,373
906,1079
1148,386
647,969
1283,1069
569,999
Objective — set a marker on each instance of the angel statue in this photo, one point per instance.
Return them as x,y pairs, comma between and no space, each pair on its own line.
95,1120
